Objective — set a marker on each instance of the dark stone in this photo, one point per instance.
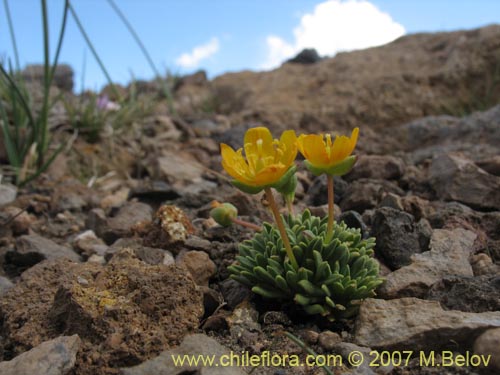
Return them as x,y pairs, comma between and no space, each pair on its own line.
156,191
234,293
306,56
131,214
32,249
471,294
317,194
211,301
365,193
63,75
477,135
383,167
233,136
149,255
276,317
456,178
397,236
424,230
354,220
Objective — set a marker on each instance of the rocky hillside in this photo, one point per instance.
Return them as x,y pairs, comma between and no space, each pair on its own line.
379,88
110,263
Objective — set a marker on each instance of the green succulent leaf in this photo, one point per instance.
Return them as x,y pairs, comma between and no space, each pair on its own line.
268,293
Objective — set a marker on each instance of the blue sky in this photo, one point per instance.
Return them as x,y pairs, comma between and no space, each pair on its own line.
183,36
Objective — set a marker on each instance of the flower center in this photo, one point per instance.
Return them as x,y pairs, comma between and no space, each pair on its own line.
260,163
328,145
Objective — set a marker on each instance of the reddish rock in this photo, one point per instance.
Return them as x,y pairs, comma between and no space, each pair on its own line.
125,312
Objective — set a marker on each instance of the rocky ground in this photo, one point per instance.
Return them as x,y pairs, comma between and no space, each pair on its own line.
109,263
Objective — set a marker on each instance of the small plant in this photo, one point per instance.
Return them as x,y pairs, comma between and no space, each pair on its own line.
89,116
324,267
26,133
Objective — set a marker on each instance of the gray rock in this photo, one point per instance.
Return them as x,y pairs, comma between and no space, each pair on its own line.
477,135
32,249
63,76
54,357
317,194
415,324
5,285
445,212
393,201
457,178
198,243
182,171
129,215
8,194
354,220
243,324
424,230
156,191
193,345
472,294
366,193
383,167
397,236
88,244
96,221
448,255
489,344
149,255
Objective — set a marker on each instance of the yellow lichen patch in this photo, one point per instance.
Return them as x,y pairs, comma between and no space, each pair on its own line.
93,299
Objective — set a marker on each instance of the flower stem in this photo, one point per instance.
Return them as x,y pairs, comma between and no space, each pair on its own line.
289,204
281,227
245,223
331,208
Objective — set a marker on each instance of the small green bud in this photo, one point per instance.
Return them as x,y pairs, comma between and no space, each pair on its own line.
223,213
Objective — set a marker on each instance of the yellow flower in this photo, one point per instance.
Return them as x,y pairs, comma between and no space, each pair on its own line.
266,159
323,156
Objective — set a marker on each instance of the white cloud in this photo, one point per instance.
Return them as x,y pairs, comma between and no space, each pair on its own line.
335,26
198,53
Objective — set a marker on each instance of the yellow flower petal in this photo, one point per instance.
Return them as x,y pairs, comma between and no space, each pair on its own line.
267,159
313,148
288,144
322,153
270,174
233,162
340,149
257,142
354,139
